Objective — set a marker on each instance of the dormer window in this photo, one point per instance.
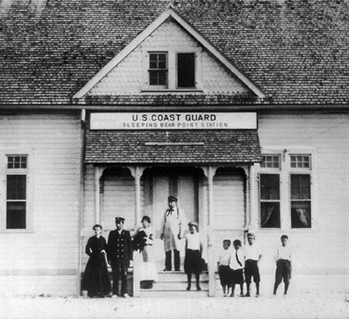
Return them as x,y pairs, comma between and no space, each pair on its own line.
172,70
158,70
186,70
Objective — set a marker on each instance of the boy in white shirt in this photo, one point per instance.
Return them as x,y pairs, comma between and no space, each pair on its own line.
236,265
252,257
283,265
223,267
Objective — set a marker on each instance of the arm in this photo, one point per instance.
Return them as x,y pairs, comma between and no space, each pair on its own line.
163,226
88,249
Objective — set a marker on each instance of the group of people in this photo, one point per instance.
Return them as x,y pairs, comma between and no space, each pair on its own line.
117,252
236,266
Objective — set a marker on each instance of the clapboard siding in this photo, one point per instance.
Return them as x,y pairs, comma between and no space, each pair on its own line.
326,245
53,142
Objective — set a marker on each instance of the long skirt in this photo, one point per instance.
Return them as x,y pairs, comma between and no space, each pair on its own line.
96,279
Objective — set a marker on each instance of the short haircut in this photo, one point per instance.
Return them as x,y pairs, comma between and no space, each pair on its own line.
237,242
227,241
146,218
284,237
97,226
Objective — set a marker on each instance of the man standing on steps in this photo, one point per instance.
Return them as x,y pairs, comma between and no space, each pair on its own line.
171,233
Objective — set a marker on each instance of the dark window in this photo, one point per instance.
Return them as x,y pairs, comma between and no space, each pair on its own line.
17,161
16,197
270,200
300,201
271,161
186,70
158,68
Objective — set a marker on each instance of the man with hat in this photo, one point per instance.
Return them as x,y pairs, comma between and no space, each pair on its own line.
171,233
119,256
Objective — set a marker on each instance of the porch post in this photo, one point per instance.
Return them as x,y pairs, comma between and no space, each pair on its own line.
253,197
210,172
137,173
98,175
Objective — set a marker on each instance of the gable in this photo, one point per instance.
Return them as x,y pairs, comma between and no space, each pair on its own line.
128,77
169,29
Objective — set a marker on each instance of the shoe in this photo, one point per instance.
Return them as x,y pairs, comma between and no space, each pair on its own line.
114,296
232,295
257,295
167,269
198,288
188,288
247,294
177,269
126,295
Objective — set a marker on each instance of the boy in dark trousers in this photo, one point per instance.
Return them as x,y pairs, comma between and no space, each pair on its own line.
237,268
283,265
252,257
223,267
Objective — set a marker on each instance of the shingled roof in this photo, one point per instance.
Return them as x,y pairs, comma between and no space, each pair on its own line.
295,51
218,146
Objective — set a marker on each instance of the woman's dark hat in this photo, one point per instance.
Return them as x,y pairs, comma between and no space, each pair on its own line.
195,224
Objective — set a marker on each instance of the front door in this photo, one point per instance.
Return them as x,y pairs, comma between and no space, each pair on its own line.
179,182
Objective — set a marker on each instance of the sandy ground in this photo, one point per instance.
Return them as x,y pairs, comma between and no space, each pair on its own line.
300,306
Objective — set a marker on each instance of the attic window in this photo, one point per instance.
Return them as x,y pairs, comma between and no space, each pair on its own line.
186,70
173,70
158,69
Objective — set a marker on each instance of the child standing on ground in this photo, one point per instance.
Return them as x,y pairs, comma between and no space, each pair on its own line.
252,257
223,267
236,265
283,265
193,251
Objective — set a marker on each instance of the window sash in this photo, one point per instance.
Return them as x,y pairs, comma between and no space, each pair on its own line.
16,201
186,70
158,69
270,200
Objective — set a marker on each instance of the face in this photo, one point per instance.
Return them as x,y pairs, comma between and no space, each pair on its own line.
225,245
172,204
98,231
250,239
119,225
237,247
284,241
145,223
192,229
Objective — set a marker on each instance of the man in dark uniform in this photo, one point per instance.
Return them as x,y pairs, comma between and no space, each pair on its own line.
119,256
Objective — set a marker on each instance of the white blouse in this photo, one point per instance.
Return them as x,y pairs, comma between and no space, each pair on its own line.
193,241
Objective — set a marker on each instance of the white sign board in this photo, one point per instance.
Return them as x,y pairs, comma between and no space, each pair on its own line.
173,121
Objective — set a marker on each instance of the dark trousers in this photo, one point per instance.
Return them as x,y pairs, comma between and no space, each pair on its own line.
119,271
168,259
283,271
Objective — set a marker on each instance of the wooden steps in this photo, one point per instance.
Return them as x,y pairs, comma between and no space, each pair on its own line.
173,284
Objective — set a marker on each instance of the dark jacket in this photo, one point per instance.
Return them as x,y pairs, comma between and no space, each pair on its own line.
119,247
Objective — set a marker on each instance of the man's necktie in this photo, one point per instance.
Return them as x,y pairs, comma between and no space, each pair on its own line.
237,258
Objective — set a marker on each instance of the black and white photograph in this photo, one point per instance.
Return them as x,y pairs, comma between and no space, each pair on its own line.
174,159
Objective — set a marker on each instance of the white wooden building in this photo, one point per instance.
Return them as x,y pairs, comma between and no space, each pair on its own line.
238,108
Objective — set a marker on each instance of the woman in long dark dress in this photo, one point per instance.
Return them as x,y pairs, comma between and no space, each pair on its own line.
96,279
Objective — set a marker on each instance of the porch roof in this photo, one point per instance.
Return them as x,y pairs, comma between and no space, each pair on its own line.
164,147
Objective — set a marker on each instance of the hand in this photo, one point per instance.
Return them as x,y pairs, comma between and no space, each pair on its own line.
131,264
103,251
162,236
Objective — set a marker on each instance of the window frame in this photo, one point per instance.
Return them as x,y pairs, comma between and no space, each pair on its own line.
172,67
285,185
29,189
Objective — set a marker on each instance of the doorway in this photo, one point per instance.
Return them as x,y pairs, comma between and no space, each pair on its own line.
161,183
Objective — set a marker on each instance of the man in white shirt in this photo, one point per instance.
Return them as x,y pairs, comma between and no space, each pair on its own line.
252,257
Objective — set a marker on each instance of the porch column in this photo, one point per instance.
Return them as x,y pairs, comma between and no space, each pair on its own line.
253,198
98,175
212,267
137,173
